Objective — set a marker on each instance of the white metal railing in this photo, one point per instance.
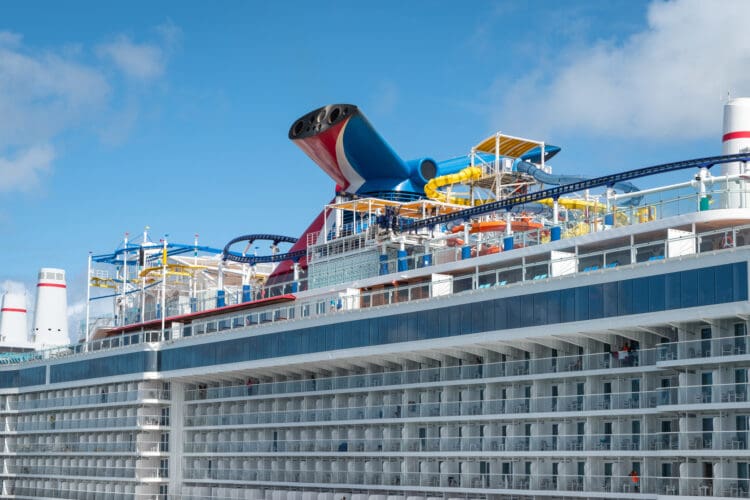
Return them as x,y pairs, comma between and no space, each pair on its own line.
118,447
531,403
630,443
56,422
575,363
472,477
102,397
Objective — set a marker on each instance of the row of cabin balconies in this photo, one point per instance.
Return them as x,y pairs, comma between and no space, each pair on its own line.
72,490
110,447
704,348
572,365
729,442
458,399
353,408
85,396
470,475
66,421
126,468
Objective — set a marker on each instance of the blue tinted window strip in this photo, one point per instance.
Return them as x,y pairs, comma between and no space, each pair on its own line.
706,286
638,295
108,366
23,378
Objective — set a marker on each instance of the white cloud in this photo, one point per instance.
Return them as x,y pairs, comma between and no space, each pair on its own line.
46,93
42,94
77,310
17,287
142,61
666,81
22,172
139,61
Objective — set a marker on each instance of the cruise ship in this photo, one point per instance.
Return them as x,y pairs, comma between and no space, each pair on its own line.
472,328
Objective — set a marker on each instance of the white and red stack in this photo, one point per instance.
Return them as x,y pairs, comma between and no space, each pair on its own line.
51,310
736,139
14,329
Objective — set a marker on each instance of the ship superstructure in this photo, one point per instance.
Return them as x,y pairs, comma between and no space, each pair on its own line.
478,327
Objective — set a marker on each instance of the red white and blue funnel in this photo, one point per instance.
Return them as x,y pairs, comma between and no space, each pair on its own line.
345,145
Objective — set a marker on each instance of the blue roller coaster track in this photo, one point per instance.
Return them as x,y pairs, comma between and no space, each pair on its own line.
558,191
227,254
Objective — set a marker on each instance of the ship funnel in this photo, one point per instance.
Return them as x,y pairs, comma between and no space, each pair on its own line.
347,147
51,311
736,139
13,322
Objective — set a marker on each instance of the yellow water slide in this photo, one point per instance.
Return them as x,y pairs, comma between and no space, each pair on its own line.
432,188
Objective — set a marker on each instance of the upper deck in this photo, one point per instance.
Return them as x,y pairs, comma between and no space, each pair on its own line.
645,245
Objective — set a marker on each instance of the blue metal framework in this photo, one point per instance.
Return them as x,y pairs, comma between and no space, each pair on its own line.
115,257
558,191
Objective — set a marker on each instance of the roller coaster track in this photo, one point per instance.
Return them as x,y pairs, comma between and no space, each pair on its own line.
226,254
558,191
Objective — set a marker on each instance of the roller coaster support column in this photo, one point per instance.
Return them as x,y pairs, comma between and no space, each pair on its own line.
427,257
555,233
193,281
704,200
220,296
384,261
163,309
609,216
508,240
295,283
466,249
403,264
123,300
88,298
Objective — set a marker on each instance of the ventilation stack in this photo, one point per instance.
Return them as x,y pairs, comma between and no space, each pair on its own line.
51,311
736,139
13,323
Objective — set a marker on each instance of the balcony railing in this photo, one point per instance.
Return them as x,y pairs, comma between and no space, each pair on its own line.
121,447
467,372
734,442
55,424
595,483
88,399
413,409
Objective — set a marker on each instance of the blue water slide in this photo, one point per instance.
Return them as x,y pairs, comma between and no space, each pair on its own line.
524,165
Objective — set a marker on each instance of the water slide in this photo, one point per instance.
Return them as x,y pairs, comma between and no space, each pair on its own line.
432,188
523,165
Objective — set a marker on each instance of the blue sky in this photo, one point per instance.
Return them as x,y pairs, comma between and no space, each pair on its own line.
175,114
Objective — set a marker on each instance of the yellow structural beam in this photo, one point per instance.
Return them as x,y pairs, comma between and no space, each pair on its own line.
172,270
103,282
